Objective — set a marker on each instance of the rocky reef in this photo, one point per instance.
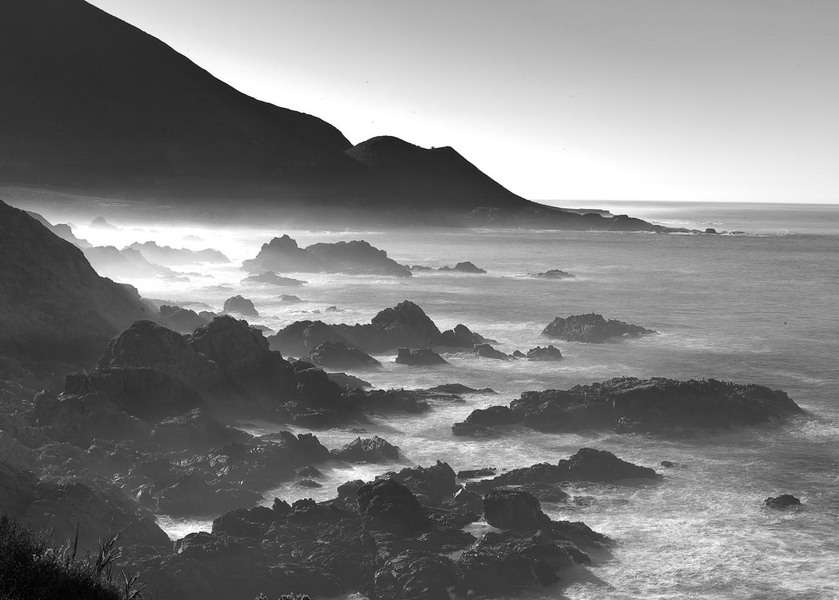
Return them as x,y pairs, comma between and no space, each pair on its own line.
357,257
628,404
404,325
592,328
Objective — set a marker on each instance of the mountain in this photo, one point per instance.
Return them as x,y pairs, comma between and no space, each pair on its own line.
53,305
94,105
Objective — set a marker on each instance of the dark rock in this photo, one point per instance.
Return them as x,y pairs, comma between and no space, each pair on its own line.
655,405
348,382
487,351
482,421
240,305
459,388
517,354
180,319
338,355
415,575
195,430
372,450
461,337
553,274
782,502
349,489
513,509
308,483
245,522
356,257
476,473
192,495
592,328
309,472
589,464
464,267
548,354
419,357
434,484
166,255
271,278
667,464
389,505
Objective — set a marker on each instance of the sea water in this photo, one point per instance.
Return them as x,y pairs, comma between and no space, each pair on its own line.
760,307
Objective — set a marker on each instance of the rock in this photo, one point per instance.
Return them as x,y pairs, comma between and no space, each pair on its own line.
372,450
589,464
592,328
667,464
240,305
387,504
403,326
476,473
710,230
419,357
195,430
290,299
338,355
464,267
271,278
356,257
180,319
518,354
782,502
549,353
309,484
487,351
434,484
415,575
192,495
166,255
656,405
482,421
513,509
553,274
459,388
53,305
309,472
245,522
348,382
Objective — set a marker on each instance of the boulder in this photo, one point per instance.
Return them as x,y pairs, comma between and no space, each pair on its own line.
487,351
782,502
240,305
338,355
514,509
434,484
593,329
372,450
549,353
483,421
419,357
388,505
460,337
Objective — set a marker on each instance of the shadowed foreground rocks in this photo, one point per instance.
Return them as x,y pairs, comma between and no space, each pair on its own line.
629,404
397,537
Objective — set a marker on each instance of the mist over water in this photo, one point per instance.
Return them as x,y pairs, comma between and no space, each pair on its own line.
748,308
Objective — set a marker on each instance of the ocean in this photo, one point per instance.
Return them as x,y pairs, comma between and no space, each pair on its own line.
761,307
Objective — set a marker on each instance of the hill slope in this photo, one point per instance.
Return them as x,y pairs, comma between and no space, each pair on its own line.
53,305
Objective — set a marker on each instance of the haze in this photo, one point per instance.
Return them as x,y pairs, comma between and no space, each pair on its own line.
652,100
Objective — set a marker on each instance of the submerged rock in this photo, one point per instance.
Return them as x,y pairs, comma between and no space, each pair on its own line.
338,355
592,328
240,305
782,502
625,404
419,357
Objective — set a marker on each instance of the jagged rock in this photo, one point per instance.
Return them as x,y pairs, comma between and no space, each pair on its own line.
389,505
592,328
180,319
419,357
403,326
245,522
553,274
514,509
433,484
195,430
782,502
548,353
192,495
356,257
487,351
476,473
373,449
482,421
240,305
271,278
655,405
338,355
464,267
53,305
416,575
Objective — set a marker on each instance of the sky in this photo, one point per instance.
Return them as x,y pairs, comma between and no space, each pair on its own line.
670,100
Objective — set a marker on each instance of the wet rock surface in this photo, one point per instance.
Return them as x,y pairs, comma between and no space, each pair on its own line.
593,329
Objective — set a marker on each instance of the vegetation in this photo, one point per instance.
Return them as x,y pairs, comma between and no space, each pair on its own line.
30,568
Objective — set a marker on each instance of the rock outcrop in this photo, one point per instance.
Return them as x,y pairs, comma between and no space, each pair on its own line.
553,274
356,257
419,357
626,404
271,278
371,450
548,353
592,329
182,320
404,325
782,502
338,355
487,351
167,255
464,267
53,305
241,306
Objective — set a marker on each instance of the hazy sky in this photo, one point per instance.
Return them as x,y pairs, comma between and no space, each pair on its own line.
734,100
